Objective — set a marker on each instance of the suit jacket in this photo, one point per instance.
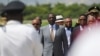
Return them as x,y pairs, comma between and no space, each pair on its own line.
71,29
76,31
55,47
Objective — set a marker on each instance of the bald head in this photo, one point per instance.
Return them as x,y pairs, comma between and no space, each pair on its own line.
39,18
68,22
51,18
68,19
36,23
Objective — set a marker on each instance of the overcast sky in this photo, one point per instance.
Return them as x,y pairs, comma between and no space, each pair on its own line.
33,2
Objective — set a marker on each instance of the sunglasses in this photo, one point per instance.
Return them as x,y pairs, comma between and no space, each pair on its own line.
82,19
35,24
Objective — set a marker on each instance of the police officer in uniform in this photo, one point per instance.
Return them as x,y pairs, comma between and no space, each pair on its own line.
17,39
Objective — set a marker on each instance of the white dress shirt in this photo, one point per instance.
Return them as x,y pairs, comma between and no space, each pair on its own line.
81,28
68,34
17,39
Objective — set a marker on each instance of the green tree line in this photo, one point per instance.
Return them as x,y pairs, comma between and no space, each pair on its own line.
73,10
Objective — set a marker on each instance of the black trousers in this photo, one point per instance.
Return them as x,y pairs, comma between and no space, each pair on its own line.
53,54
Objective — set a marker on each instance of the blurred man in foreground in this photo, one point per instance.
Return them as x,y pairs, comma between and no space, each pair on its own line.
87,44
17,39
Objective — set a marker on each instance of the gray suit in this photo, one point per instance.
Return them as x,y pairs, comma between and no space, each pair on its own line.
54,48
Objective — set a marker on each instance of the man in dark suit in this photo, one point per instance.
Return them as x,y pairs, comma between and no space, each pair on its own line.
68,29
80,28
53,37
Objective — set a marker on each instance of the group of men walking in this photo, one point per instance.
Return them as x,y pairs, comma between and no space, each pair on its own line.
54,39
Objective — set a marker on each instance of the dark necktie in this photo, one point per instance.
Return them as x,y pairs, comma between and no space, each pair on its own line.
68,28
